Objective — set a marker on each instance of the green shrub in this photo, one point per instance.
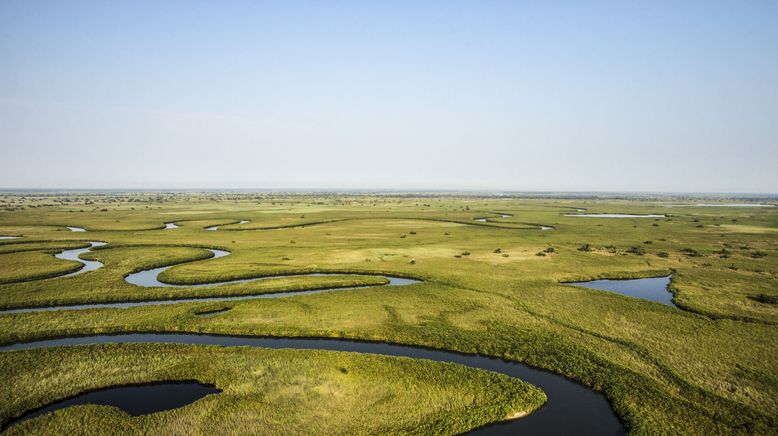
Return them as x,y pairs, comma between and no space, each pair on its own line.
636,249
585,247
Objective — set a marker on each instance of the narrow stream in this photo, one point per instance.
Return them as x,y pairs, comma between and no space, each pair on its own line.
614,215
89,265
393,281
149,278
214,228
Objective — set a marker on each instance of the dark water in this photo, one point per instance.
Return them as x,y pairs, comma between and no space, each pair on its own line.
571,409
653,288
134,399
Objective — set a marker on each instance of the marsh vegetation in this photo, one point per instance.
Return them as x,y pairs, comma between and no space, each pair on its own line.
705,366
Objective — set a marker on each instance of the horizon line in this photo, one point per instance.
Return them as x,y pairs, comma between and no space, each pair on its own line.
394,190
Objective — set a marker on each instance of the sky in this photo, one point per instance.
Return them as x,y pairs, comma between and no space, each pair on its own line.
651,96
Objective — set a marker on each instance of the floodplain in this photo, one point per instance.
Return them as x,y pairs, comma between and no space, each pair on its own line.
491,284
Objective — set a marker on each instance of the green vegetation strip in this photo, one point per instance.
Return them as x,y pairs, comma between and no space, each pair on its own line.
279,391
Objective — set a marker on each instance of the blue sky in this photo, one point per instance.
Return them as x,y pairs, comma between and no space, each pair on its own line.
534,95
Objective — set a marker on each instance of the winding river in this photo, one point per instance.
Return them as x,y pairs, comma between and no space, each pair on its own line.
149,278
571,408
89,265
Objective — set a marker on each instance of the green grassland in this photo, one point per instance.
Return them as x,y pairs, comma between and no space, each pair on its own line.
32,265
709,368
290,391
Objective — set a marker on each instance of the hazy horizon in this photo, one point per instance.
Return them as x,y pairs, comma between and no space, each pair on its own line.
410,191
604,96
